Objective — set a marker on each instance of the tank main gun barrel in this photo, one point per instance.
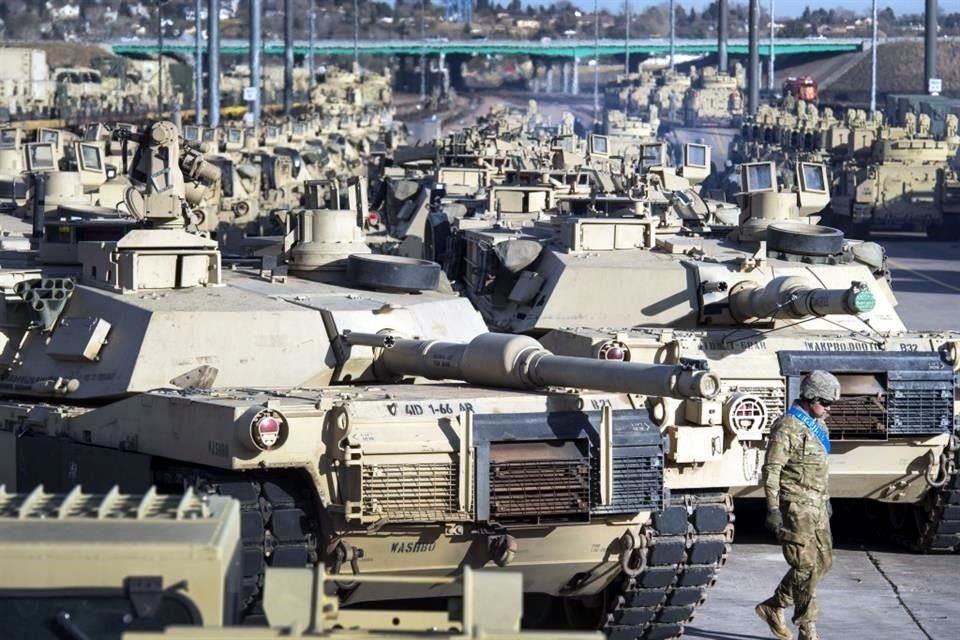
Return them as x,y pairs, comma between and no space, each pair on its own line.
520,362
791,297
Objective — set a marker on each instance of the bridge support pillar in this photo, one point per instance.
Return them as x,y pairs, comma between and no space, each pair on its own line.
566,77
549,88
575,85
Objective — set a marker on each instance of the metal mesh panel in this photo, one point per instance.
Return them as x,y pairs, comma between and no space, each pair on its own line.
637,485
919,407
858,416
539,488
411,492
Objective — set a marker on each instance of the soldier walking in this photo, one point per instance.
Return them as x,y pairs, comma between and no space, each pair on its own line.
798,504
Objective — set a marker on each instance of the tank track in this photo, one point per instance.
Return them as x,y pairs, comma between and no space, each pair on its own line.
686,546
275,527
938,522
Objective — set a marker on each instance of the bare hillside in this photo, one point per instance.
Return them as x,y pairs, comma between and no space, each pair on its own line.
900,70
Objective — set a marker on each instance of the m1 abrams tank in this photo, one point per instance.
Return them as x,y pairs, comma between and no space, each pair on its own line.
134,358
147,566
775,300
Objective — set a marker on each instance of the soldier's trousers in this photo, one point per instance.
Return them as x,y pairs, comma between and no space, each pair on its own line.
808,549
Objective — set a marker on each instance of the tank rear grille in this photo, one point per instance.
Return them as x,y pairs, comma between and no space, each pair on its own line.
637,484
539,480
411,492
919,407
539,488
858,416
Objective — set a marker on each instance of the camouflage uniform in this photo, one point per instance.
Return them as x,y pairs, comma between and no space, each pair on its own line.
795,482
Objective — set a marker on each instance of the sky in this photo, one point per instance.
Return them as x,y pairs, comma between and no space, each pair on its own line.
790,8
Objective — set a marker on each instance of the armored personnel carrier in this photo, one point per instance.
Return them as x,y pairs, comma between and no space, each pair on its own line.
774,300
134,358
715,100
146,566
907,182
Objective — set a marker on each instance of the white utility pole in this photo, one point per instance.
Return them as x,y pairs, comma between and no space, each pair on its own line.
773,56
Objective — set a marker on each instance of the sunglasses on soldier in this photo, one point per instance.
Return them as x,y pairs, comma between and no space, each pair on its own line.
823,402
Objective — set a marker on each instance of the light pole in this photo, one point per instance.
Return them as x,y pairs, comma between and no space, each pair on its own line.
722,31
673,31
423,54
596,61
753,61
256,42
213,62
626,38
287,58
160,4
772,54
198,64
873,62
311,60
356,34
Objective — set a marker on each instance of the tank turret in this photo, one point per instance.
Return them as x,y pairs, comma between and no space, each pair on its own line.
520,362
791,297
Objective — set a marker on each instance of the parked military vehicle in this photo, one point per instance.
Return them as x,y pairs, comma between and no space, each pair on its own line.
715,99
631,93
168,566
907,182
668,97
776,299
134,358
99,565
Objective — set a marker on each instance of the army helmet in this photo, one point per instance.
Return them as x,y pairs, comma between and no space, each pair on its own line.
820,384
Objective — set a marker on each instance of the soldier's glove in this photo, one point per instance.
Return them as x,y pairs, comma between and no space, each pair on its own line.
774,521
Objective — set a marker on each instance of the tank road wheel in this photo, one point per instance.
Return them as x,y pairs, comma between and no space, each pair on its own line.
804,239
587,613
393,272
898,516
902,521
539,611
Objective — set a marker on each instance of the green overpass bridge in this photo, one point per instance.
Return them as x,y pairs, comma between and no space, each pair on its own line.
558,48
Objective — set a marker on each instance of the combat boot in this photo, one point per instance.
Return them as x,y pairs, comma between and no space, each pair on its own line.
773,616
808,632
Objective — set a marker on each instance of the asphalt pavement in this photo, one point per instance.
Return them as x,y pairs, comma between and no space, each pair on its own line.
926,280
869,594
